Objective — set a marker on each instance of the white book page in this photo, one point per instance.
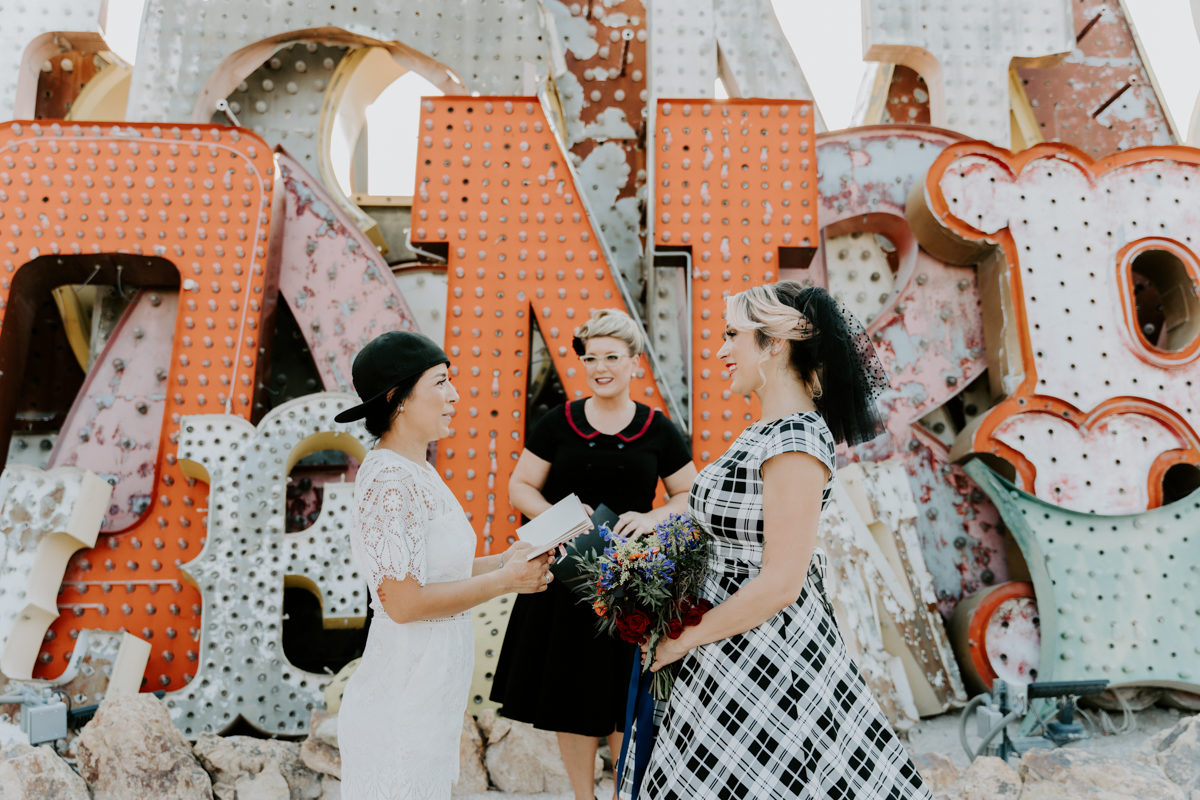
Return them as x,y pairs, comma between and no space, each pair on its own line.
564,520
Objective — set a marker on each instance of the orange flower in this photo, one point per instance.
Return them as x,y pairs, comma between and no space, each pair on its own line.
600,607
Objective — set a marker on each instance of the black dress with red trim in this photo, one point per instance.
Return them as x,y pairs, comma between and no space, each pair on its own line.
555,670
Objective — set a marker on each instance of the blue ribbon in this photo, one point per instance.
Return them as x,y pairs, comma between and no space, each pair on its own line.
639,707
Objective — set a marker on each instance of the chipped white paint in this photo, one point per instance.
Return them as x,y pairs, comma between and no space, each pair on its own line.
884,595
757,59
247,558
1100,469
1062,299
45,516
26,40
601,175
964,49
184,43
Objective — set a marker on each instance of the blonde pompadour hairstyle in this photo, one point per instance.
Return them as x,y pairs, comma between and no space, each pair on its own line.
615,323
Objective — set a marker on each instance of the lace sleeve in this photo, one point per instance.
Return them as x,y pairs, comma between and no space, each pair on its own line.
393,513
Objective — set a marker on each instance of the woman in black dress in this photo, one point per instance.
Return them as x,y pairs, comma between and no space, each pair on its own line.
555,671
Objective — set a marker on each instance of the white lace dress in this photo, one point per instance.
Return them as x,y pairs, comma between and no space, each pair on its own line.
402,710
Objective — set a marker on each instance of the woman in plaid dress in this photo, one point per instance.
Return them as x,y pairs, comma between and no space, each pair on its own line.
768,703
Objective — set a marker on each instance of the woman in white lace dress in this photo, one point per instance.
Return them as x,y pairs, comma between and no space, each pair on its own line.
402,710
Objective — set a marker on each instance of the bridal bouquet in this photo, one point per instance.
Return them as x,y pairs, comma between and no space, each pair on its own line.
644,587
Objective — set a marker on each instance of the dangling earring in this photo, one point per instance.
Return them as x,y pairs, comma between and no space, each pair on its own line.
815,388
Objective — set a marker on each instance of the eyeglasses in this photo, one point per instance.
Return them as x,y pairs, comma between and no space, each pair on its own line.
611,359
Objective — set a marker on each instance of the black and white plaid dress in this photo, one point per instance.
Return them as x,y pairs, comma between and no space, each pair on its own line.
779,711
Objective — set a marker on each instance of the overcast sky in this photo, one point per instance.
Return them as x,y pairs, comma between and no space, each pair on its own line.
827,38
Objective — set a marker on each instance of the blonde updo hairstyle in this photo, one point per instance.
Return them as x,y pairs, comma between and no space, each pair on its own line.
610,322
836,363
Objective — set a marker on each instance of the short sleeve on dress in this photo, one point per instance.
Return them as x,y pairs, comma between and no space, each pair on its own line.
543,438
394,512
801,434
675,453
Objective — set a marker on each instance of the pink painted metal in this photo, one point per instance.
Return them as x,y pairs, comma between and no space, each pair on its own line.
335,282
114,425
930,337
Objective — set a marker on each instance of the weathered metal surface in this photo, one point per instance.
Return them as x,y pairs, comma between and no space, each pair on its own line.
281,100
336,283
63,76
495,189
683,48
928,333
852,589
201,197
710,159
247,557
1102,98
103,664
893,566
907,98
997,633
603,96
1099,582
114,425
491,621
756,59
1064,339
27,40
45,516
963,50
190,56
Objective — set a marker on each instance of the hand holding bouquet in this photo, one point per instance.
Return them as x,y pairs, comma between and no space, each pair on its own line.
644,587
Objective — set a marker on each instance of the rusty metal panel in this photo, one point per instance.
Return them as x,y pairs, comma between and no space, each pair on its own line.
1068,337
247,557
963,50
192,52
1102,98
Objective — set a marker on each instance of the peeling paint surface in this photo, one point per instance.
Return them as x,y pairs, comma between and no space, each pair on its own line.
1099,584
929,336
1101,98
965,63
1067,270
114,425
336,283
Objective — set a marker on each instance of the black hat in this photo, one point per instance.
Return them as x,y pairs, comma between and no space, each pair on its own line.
387,360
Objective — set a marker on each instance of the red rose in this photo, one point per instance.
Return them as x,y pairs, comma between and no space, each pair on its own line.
691,609
632,626
674,628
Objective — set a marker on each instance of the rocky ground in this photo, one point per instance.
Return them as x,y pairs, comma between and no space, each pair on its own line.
132,750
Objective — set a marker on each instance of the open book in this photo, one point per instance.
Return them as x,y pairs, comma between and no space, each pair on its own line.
559,523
